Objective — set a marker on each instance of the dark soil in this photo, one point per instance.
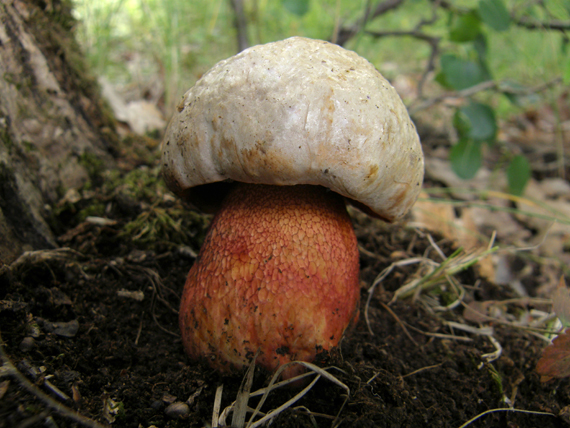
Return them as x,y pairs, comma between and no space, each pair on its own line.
119,360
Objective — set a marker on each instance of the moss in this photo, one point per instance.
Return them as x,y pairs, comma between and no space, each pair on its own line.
61,13
29,146
163,221
140,150
6,139
141,184
149,217
166,227
96,209
94,166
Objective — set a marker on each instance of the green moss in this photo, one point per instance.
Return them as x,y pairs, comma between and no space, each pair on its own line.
6,139
164,221
170,227
148,216
96,209
140,149
94,166
29,146
61,13
142,184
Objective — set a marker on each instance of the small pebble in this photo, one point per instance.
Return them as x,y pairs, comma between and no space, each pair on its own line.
177,410
27,344
35,330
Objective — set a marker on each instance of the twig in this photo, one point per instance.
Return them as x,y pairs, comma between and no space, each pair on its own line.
140,330
347,33
416,34
422,370
406,332
441,335
480,87
483,86
334,37
240,23
532,24
370,254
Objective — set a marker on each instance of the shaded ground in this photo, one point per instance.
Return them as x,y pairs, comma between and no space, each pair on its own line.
98,322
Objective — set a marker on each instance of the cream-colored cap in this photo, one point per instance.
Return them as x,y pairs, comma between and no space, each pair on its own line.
297,111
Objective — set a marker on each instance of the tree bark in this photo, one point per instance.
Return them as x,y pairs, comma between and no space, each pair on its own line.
53,123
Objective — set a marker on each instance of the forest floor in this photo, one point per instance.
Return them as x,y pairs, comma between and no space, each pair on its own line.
93,326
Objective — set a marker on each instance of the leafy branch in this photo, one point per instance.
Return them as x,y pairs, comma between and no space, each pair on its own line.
463,76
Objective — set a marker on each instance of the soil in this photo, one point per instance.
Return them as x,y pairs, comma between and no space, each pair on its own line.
94,326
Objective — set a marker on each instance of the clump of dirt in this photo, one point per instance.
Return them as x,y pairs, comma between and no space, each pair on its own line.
94,326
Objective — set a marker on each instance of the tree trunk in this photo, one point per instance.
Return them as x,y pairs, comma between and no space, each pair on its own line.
240,22
53,123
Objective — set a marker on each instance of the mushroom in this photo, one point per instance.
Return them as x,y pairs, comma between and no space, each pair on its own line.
274,140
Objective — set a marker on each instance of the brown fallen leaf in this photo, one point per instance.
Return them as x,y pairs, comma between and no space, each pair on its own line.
441,218
555,360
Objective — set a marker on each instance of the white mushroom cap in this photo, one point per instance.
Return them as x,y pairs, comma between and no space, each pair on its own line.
297,111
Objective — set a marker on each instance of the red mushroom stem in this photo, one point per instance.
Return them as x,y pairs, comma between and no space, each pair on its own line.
278,272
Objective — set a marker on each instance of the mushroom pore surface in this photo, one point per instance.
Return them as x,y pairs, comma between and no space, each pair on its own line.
278,272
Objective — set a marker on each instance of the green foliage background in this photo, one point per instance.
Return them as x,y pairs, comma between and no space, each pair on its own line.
180,40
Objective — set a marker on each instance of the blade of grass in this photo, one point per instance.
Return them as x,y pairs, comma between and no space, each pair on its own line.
240,409
284,406
273,385
217,406
486,412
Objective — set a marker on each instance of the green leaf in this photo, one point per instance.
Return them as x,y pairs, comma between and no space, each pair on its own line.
480,44
494,13
566,5
465,28
461,124
297,7
440,78
461,73
482,122
518,173
466,158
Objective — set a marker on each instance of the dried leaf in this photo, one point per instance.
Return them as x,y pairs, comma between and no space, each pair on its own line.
477,312
555,360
